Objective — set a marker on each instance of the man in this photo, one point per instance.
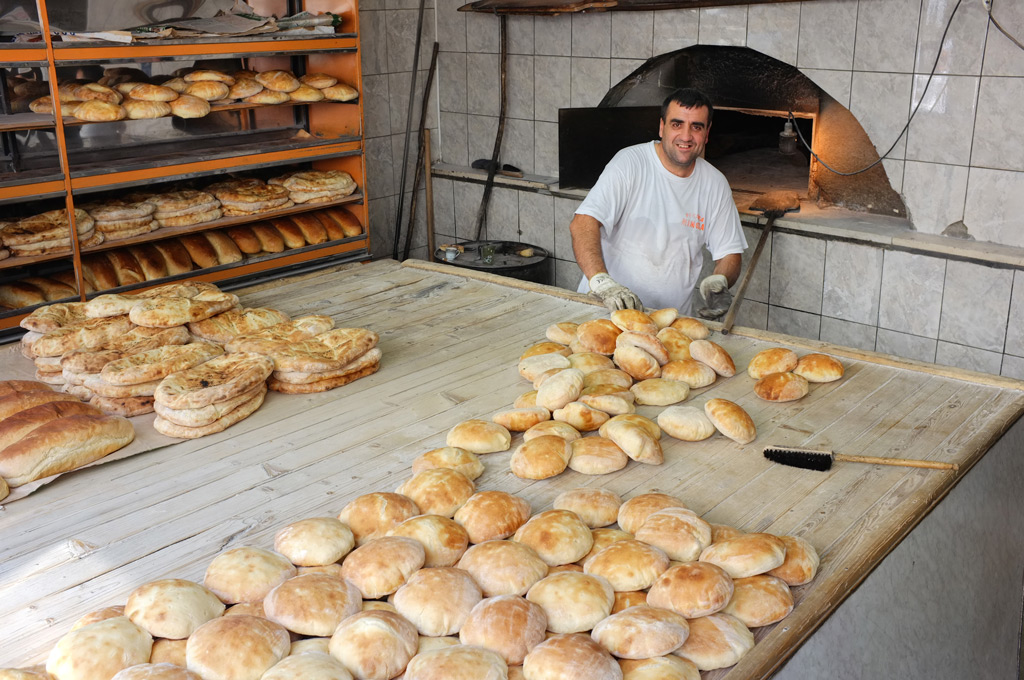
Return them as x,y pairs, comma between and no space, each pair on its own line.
638,234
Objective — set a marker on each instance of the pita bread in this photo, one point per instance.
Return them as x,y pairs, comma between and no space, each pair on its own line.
167,312
156,364
328,351
95,383
52,317
240,412
305,377
321,385
205,415
123,406
115,304
282,334
88,334
138,339
216,380
227,325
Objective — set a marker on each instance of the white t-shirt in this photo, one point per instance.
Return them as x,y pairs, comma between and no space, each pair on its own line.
654,224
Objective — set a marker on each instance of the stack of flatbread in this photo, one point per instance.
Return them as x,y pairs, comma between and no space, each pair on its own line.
247,197
328,360
49,233
316,186
118,219
185,208
226,326
212,396
44,433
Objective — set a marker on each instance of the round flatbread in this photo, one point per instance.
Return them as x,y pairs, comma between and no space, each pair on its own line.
216,380
240,412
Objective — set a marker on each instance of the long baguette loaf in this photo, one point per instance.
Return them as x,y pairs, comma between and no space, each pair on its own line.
62,445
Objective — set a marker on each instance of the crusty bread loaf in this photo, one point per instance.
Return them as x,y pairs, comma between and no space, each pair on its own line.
562,332
690,371
246,574
760,600
200,250
233,647
18,294
168,312
638,363
172,608
287,333
344,219
189,106
438,491
281,81
270,238
158,363
62,445
572,601
444,540
492,515
596,455
312,228
731,420
123,406
381,566
781,387
686,423
634,512
99,650
508,624
9,387
225,248
20,401
598,335
289,231
314,541
300,382
801,563
660,392
457,662
716,641
676,344
694,328
580,416
574,656
771,360
19,425
479,436
746,555
225,326
541,458
150,260
371,515
680,532
558,536
595,506
819,368
176,257
244,239
450,457
692,589
503,567
312,604
714,355
331,350
99,272
641,632
635,441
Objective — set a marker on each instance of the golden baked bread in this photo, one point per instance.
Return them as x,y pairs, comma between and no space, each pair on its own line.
641,632
236,646
450,457
167,312
540,458
694,328
771,360
88,334
306,93
267,96
123,406
246,574
97,92
596,455
244,87
438,491
693,589
200,250
507,624
208,90
207,75
731,420
172,608
781,387
245,239
633,320
676,344
158,363
52,317
502,567
152,93
312,604
225,248
694,373
371,515
312,228
801,563
714,355
341,92
746,555
137,109
580,416
289,232
207,415
558,536
760,600
444,540
279,81
175,256
479,436
574,656
572,601
318,80
99,650
374,644
328,351
283,334
222,327
335,219
188,106
819,368
716,641
98,111
380,566
686,423
521,419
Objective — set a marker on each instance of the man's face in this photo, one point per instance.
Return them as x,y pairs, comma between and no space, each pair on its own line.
684,132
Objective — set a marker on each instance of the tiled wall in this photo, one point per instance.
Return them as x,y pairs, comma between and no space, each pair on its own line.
961,159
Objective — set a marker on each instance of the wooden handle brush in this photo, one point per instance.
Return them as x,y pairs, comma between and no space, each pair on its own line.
811,459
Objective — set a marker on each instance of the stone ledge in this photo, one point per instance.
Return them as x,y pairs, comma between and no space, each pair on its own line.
858,227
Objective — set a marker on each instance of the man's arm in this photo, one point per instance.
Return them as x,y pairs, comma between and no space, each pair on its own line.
586,246
729,267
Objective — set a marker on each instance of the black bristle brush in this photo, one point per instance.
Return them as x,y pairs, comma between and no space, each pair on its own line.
811,459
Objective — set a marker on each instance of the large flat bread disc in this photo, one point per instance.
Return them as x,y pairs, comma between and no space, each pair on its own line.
240,412
328,351
205,415
158,363
138,339
167,312
227,325
52,317
321,385
219,379
306,377
282,334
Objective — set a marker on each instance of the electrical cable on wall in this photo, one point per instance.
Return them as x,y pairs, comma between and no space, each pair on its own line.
1018,43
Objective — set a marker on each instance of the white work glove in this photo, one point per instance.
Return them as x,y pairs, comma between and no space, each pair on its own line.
613,295
715,283
717,297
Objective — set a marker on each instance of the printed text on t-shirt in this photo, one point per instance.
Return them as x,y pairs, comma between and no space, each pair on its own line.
694,221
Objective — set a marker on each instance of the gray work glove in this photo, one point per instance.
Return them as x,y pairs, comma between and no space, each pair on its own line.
717,297
613,295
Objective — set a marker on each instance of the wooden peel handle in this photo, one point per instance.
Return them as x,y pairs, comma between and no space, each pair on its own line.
903,462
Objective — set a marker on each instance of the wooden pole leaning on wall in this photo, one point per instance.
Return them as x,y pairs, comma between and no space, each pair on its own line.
428,186
481,213
419,153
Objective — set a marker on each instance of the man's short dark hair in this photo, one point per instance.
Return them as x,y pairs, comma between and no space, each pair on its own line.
688,98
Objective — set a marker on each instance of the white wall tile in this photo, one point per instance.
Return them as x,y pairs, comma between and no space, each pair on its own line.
881,102
380,179
452,81
568,275
517,144
564,209
975,305
481,131
970,358
1002,57
894,170
590,81
454,139
723,25
451,26
520,35
444,206
853,279
995,203
965,41
382,226
675,29
1013,367
376,106
592,34
632,35
537,220
774,29
401,33
553,35
757,289
911,296
886,35
837,84
483,93
827,32
519,86
934,194
621,68
847,333
939,130
905,345
503,215
467,203
398,99
545,149
1015,327
794,322
798,265
753,314
998,133
373,53
482,33
552,82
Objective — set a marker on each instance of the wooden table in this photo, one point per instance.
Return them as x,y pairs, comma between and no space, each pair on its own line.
451,340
